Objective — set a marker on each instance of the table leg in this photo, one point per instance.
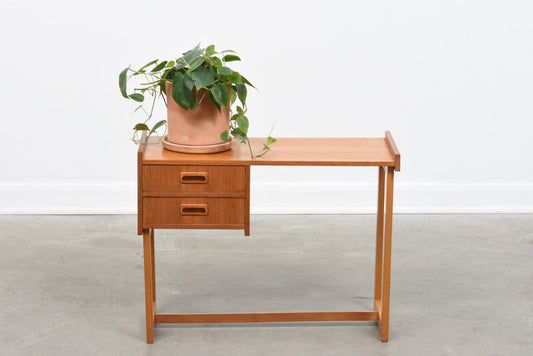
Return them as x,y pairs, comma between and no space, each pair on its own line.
153,264
387,256
247,202
379,242
149,284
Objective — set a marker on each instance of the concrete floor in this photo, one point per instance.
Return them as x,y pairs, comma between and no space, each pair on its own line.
461,285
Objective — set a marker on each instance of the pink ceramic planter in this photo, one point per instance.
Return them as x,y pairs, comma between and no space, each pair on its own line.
198,130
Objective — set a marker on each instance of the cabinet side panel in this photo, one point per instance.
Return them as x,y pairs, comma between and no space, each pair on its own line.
140,157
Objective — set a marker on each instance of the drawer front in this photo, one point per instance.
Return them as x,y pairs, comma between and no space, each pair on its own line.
194,178
193,212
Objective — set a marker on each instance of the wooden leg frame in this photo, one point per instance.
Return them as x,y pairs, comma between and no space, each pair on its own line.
380,314
383,250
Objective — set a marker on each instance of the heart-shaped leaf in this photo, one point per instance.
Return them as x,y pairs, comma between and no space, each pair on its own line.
196,63
141,127
210,94
242,92
192,55
216,62
246,81
210,50
233,93
220,93
203,77
123,82
224,70
230,58
194,102
239,134
216,95
158,67
234,77
137,97
243,123
225,136
181,92
158,125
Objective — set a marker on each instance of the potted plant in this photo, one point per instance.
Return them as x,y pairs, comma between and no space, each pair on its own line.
200,91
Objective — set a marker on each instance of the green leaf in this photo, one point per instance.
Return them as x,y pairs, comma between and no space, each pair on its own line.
210,50
179,65
216,62
137,97
224,70
158,125
141,127
239,134
171,64
196,63
181,92
192,54
212,98
163,86
203,77
235,116
271,140
168,73
147,65
242,92
233,95
243,123
220,94
244,80
240,110
189,82
160,66
216,95
123,82
234,77
230,58
225,136
225,94
194,102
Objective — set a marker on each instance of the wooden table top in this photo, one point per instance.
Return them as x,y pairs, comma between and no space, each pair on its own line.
290,152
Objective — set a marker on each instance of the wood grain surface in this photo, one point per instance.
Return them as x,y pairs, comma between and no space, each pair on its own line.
287,152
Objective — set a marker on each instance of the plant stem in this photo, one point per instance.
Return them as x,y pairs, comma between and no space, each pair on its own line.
153,104
250,147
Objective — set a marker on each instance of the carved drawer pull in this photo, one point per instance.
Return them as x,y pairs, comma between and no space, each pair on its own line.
193,209
193,177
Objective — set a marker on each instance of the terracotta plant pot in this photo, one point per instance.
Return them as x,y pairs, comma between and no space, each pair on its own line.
198,130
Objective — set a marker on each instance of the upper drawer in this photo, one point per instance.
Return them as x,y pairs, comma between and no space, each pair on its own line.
193,178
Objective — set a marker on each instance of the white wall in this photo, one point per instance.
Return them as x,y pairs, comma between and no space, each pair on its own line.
452,80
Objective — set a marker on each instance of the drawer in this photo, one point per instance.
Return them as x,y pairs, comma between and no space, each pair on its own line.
193,212
177,178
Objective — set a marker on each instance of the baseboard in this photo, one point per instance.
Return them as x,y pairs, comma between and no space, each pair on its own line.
361,198
68,198
278,198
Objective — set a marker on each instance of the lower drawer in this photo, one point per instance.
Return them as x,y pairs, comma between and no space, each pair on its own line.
203,213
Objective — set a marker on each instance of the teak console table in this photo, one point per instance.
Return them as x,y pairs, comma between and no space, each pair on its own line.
212,191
